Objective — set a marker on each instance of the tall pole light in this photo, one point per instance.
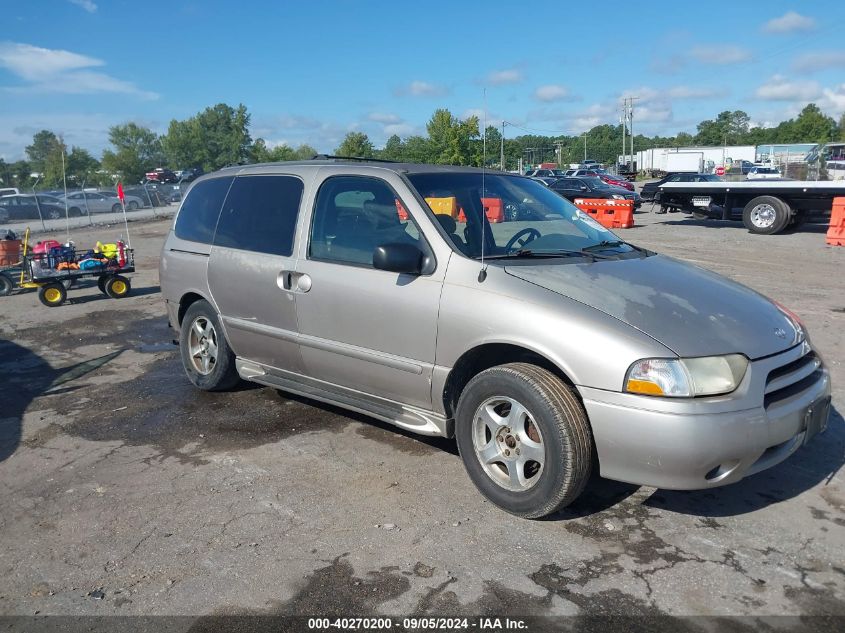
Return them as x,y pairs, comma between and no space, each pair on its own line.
585,146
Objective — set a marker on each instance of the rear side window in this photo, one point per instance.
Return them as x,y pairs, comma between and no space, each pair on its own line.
198,215
260,214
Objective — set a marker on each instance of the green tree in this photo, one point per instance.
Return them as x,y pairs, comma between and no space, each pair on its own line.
81,167
418,150
356,144
136,150
394,149
813,125
216,137
304,152
44,145
451,140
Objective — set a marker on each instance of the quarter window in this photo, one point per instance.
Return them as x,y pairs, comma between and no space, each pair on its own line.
260,214
353,215
198,215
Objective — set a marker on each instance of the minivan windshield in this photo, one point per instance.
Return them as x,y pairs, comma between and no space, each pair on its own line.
520,217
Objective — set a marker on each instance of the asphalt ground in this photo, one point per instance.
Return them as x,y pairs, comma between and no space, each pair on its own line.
125,491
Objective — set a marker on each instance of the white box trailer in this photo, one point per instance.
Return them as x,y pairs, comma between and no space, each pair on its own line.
684,162
655,159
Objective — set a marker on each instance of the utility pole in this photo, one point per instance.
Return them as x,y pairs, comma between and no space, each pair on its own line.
632,132
502,151
585,145
622,121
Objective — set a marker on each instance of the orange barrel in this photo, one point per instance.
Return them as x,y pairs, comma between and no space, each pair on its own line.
494,209
836,229
447,206
401,211
611,214
10,252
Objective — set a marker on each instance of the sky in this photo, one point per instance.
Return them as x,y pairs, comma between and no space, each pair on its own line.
310,72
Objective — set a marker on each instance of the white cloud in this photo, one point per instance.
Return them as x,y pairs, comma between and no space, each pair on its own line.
833,99
789,22
384,117
89,6
419,88
811,62
33,63
552,92
779,88
720,54
506,76
48,70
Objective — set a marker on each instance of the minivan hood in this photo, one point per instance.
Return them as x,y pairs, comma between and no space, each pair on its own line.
692,311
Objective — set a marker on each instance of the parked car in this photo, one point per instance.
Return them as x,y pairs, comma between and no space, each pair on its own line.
160,174
650,188
741,167
24,207
588,173
593,355
101,202
545,180
189,175
616,181
572,188
763,173
8,191
545,173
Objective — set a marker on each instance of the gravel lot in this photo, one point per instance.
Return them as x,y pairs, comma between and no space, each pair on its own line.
125,491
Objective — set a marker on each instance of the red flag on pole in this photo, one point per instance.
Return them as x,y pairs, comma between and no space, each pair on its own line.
120,192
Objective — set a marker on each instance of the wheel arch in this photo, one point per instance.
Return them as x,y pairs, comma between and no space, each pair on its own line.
186,301
491,354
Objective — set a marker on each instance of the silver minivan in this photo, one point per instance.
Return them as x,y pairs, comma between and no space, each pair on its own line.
482,306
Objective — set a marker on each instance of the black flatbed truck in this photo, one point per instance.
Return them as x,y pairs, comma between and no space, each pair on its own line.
765,206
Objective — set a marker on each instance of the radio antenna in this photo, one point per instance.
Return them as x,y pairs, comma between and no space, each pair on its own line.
482,274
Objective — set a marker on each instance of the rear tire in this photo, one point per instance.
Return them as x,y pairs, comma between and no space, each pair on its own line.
116,208
206,356
516,407
766,215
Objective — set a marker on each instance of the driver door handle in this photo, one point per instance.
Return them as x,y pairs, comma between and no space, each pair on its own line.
292,281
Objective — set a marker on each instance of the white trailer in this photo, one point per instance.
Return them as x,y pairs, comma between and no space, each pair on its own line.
655,160
684,162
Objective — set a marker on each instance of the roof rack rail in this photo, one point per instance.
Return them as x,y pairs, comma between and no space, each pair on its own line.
359,158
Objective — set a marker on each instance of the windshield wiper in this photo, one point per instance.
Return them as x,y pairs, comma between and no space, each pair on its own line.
602,245
612,244
527,252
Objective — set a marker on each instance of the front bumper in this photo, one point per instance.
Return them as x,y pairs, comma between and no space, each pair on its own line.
699,443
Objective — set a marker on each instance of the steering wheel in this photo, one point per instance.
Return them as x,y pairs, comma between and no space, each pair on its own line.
529,234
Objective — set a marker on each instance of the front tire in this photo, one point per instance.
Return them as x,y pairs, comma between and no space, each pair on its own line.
116,208
117,286
206,356
132,206
524,438
52,295
766,215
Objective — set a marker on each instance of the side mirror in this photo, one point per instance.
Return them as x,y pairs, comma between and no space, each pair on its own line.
405,259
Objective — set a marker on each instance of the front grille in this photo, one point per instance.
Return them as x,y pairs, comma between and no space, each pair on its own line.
787,381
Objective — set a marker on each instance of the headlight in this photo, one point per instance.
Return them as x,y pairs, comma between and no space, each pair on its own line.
616,196
686,377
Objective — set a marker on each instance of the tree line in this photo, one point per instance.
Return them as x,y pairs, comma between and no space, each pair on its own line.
220,136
